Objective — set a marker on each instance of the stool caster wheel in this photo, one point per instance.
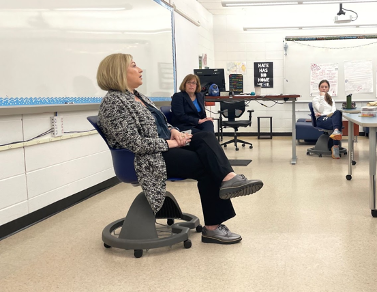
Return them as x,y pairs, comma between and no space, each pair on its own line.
353,162
225,146
237,149
199,228
107,246
251,147
138,253
348,177
187,243
243,145
374,213
170,222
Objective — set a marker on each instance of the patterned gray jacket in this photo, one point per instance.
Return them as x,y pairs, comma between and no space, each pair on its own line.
128,124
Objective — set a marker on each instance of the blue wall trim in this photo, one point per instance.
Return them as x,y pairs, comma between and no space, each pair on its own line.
17,101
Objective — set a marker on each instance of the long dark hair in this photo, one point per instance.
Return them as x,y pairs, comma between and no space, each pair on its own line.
328,98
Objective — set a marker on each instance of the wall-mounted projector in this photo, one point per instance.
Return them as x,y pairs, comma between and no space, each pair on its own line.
342,18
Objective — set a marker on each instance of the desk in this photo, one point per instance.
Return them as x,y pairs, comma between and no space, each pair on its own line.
370,122
281,97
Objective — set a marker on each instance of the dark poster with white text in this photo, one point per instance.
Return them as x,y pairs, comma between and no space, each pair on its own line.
263,74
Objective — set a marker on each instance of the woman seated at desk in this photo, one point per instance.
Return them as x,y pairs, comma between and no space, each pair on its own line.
328,117
187,106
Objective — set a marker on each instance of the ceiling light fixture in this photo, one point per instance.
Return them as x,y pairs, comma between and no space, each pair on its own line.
284,2
310,27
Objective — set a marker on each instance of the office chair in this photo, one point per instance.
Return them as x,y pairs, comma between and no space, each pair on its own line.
324,142
232,110
138,228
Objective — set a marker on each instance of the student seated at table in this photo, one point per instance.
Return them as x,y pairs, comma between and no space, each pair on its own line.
187,106
328,117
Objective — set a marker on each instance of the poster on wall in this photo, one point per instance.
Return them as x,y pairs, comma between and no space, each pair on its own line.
236,83
358,77
319,72
236,67
263,74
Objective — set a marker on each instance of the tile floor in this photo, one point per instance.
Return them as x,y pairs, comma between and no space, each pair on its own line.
308,229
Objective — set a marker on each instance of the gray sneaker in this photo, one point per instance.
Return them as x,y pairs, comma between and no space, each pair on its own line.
335,152
221,235
239,186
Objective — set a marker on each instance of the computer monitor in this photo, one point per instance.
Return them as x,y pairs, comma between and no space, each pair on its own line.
208,77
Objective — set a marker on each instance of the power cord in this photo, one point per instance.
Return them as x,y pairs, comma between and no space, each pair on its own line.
40,135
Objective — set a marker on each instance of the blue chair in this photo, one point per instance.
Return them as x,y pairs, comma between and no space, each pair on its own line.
166,110
324,142
138,228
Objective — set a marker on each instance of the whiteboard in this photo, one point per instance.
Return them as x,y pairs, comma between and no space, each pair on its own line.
300,55
50,50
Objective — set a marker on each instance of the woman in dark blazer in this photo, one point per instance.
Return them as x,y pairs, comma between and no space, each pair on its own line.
187,106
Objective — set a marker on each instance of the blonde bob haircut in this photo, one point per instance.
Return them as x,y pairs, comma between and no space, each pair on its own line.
189,77
112,72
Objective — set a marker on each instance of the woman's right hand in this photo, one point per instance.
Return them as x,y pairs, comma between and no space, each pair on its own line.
201,121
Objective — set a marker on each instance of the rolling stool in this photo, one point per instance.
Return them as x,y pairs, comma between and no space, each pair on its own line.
138,228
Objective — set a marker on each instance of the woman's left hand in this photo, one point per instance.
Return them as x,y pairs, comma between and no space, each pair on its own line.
181,138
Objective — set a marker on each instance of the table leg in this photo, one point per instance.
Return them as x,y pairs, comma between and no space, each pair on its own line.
372,169
350,150
294,157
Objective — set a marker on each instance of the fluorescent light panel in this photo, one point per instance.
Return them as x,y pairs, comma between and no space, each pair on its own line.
311,27
276,2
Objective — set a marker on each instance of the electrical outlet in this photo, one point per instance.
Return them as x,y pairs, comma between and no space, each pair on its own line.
57,126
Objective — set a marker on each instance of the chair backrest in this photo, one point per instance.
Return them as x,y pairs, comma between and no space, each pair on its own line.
232,109
123,159
166,110
312,115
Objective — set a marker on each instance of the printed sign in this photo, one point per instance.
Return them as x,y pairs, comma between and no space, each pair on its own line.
263,74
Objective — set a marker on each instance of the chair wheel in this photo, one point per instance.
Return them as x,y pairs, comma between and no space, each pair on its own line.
320,155
374,213
243,145
251,146
170,222
187,243
138,253
237,149
199,228
353,162
107,246
348,177
307,153
225,146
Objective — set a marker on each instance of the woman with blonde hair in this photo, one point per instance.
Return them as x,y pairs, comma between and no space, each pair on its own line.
130,120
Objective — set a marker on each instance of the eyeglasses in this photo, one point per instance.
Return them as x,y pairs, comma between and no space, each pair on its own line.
192,83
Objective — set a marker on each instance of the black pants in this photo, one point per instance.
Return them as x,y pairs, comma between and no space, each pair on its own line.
205,161
331,123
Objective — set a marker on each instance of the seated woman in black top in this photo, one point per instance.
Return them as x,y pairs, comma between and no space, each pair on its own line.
187,106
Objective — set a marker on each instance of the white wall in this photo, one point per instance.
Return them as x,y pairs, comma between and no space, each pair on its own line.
231,43
36,176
